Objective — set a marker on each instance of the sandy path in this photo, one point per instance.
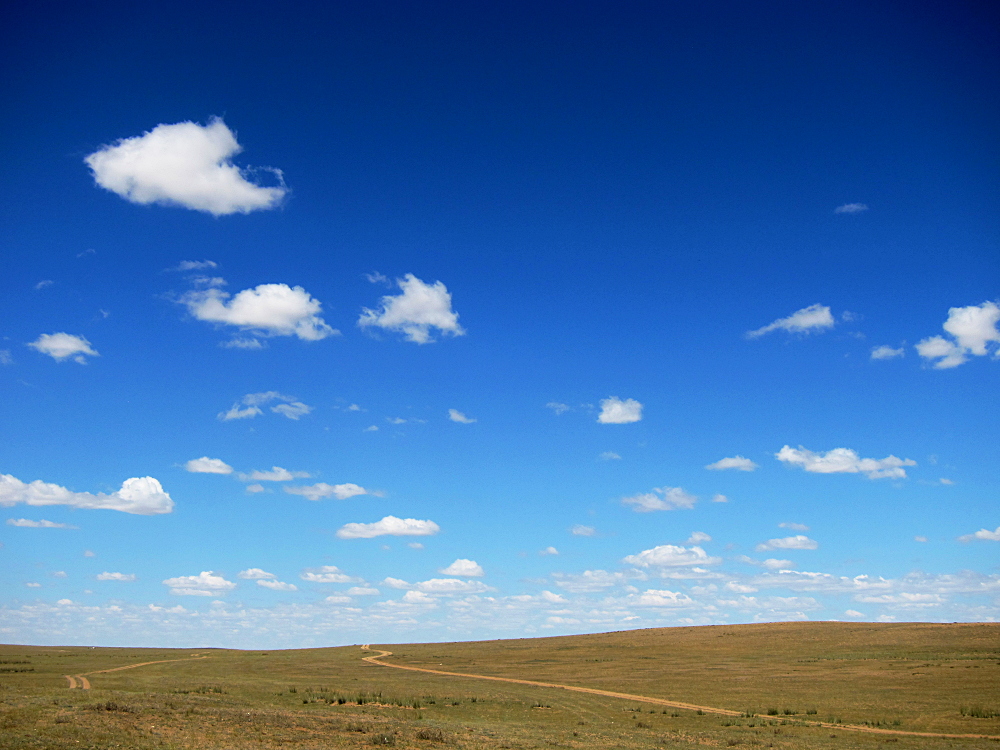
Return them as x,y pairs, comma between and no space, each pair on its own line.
661,702
85,683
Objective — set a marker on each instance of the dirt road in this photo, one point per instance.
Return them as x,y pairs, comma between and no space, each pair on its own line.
80,680
374,659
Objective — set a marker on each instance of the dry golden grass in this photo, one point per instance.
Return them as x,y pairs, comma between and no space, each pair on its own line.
905,677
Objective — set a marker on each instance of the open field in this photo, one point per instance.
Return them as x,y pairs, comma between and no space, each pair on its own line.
790,685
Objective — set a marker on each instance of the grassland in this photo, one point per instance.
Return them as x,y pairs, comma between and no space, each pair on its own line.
782,680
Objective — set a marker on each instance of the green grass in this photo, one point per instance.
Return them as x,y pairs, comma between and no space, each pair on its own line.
912,677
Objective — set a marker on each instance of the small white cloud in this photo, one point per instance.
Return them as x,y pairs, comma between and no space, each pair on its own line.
853,613
456,416
799,541
276,474
5,357
65,602
609,456
718,498
549,551
194,265
353,407
415,312
415,545
139,495
337,599
793,526
33,585
327,574
362,591
63,346
417,597
42,524
242,343
206,465
124,577
736,462
983,534
616,411
581,530
205,583
440,586
851,208
661,498
844,461
920,539
886,352
255,574
464,569
184,164
253,489
43,283
322,489
59,574
391,526
973,329
265,310
395,420
946,482
808,319
89,553
557,407
277,585
668,556
371,428
292,410
698,537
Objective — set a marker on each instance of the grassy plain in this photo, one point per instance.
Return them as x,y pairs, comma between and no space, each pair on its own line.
903,677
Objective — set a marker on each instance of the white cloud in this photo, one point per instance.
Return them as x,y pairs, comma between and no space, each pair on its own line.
390,525
799,541
5,357
719,498
851,208
206,465
415,312
667,555
362,591
972,329
808,319
549,551
125,577
984,534
609,456
89,553
793,526
276,474
844,461
44,283
205,583
418,597
63,346
59,574
886,352
266,310
440,586
327,574
581,530
672,499
662,598
255,574
322,489
139,495
185,164
853,613
255,488
249,406
371,428
920,538
414,545
42,524
557,407
456,416
616,411
242,343
736,462
195,265
698,537
771,563
277,585
33,585
589,580
464,568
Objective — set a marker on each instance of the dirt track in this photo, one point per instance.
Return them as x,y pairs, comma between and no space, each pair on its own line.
84,683
661,702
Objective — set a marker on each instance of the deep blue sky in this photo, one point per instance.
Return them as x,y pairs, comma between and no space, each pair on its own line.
612,195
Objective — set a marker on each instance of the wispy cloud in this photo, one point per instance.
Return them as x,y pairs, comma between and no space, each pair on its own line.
736,462
844,461
661,498
851,208
807,320
63,346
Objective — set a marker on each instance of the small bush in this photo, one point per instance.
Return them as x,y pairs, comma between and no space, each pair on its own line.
430,733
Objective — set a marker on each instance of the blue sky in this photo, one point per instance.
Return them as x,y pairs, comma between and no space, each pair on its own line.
398,321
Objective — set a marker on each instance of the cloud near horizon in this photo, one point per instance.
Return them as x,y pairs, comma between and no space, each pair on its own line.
138,495
205,583
184,164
